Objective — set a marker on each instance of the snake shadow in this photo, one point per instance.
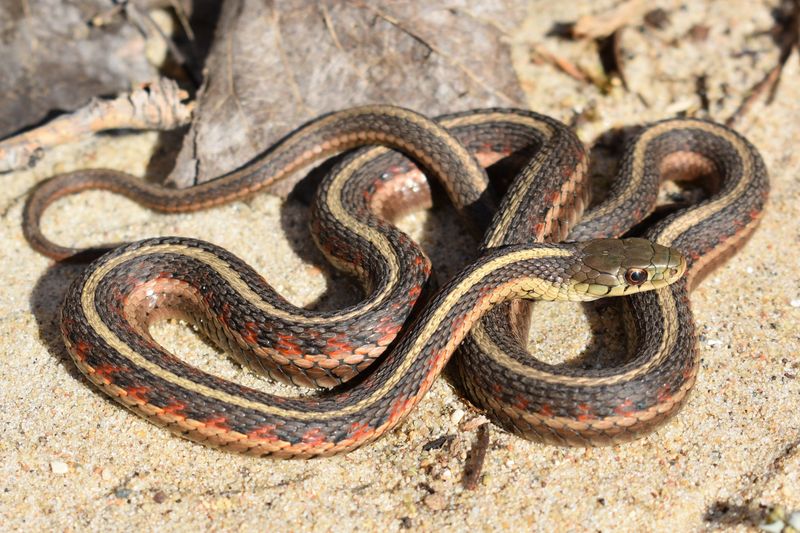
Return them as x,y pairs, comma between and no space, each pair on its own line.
46,299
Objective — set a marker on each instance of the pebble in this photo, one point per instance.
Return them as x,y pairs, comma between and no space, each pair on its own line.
435,501
795,303
59,467
713,342
457,416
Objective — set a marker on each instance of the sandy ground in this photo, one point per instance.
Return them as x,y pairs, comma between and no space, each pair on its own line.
71,460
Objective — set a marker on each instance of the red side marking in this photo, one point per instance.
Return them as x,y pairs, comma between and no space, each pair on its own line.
390,333
138,393
359,431
424,263
314,437
251,334
106,371
546,410
625,408
286,346
458,323
399,407
586,412
336,347
217,423
81,349
223,316
265,433
436,359
175,409
521,403
414,292
497,388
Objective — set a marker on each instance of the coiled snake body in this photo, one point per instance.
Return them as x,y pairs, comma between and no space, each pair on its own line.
107,312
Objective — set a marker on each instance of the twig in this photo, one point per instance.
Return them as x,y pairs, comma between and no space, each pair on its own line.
326,18
541,54
477,455
157,105
610,51
770,80
789,40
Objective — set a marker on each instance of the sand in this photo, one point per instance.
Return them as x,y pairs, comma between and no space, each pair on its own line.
72,460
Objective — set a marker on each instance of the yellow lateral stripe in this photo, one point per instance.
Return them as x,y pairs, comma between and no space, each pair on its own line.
429,328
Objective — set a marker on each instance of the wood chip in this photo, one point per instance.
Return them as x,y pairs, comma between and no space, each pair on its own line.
603,25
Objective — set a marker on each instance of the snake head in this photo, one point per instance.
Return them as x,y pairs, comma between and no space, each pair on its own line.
615,267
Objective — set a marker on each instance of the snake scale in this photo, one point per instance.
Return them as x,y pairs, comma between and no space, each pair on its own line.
380,356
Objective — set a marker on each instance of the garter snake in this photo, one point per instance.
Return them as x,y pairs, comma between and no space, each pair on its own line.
107,311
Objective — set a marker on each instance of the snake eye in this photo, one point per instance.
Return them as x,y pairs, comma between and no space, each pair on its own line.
636,276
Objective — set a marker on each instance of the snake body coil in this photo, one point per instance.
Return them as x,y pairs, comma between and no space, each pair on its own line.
107,312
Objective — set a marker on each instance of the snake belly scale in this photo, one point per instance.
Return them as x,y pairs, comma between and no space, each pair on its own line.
107,312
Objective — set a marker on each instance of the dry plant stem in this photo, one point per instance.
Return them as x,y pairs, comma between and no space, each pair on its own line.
477,455
157,105
540,54
789,42
764,85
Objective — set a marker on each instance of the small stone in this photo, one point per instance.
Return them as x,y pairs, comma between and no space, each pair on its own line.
457,416
657,18
699,32
106,475
794,520
435,501
59,467
472,425
795,303
159,497
713,342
